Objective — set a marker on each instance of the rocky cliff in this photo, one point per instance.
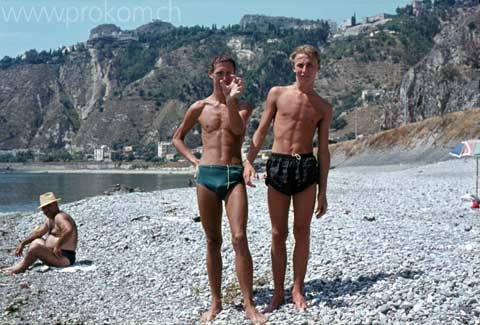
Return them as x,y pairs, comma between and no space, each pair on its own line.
448,78
133,87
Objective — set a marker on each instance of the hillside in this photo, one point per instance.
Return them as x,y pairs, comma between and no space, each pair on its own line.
133,87
426,141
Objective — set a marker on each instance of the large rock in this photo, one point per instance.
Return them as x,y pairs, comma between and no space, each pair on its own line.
448,78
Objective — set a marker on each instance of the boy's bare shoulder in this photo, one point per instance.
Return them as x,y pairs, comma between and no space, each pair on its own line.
199,104
323,103
278,90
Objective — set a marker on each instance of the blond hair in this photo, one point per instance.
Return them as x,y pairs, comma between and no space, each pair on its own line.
307,49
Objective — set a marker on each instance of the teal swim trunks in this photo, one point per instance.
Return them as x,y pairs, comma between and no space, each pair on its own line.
220,178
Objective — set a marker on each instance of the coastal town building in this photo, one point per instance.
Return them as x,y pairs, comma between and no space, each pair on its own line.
127,151
102,154
369,95
166,150
198,150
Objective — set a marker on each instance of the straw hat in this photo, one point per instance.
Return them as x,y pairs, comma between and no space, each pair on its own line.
47,198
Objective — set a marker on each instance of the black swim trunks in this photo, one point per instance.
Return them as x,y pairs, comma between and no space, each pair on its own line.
291,174
69,254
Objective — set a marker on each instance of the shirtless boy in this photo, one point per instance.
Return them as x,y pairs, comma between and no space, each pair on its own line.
297,112
220,177
58,249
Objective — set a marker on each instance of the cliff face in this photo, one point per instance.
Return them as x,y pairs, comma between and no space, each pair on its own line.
448,78
81,103
135,86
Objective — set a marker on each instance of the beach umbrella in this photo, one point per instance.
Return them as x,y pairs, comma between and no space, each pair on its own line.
469,148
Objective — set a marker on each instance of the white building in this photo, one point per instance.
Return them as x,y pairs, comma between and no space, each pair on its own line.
166,150
102,154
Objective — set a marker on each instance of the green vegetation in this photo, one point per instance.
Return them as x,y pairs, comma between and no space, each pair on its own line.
133,61
415,34
33,57
404,39
186,53
19,157
56,155
343,103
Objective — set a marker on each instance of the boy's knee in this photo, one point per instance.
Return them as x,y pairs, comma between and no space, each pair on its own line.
301,231
279,236
239,240
214,242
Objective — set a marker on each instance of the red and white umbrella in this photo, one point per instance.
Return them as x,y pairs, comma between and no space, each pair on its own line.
468,148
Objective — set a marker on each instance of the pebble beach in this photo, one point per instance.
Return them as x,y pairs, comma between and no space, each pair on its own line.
397,246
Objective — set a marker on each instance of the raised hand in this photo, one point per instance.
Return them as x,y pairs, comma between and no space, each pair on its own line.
233,89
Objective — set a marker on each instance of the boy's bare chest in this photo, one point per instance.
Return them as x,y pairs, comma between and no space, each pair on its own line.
214,118
299,111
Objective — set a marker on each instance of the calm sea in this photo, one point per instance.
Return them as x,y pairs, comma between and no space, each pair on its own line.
19,191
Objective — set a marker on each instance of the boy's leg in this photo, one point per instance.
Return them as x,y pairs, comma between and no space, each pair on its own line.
210,208
237,211
303,205
278,206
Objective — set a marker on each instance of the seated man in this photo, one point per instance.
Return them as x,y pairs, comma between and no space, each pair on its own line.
58,249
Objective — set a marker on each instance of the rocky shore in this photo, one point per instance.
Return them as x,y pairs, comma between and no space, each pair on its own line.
397,246
97,168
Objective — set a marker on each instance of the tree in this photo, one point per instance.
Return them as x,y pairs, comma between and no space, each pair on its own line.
31,56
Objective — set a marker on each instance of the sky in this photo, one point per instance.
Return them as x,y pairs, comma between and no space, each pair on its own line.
49,24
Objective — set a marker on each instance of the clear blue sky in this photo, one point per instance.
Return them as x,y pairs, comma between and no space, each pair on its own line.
49,24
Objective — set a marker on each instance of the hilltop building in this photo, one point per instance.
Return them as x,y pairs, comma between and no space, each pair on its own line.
111,31
349,22
376,18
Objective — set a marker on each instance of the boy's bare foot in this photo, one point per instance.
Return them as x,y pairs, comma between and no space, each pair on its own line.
211,313
299,301
277,301
255,316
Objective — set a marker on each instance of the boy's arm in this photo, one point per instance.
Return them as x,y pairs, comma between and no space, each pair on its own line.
231,92
245,112
261,133
189,121
323,157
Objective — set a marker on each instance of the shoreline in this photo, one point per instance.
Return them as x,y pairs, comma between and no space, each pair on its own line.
89,168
